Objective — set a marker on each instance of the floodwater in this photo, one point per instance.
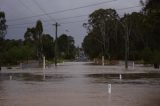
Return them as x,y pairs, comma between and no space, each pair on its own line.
78,84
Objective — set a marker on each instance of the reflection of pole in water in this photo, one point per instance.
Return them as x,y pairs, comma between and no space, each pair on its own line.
102,60
109,100
44,67
109,95
10,77
109,88
133,65
120,76
44,63
44,76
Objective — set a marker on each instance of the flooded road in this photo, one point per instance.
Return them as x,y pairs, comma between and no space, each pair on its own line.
78,84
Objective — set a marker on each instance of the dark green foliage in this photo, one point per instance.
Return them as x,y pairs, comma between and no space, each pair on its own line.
3,26
66,48
3,31
43,43
156,57
152,11
152,6
103,27
14,52
48,46
35,45
91,46
108,34
147,56
34,36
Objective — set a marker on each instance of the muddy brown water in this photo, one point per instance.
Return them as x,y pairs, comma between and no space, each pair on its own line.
77,84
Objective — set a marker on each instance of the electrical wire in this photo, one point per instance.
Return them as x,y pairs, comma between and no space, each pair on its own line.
74,16
74,21
27,8
65,10
45,13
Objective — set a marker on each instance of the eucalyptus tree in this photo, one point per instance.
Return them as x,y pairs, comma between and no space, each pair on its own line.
48,46
151,6
39,32
66,47
34,35
92,46
3,26
133,28
102,25
152,11
3,31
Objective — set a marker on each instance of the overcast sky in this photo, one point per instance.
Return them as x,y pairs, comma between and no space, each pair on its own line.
21,14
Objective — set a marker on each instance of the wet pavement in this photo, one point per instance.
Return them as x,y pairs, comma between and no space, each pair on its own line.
80,84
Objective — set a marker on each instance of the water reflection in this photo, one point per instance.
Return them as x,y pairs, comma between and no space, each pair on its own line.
33,77
75,84
134,78
2,94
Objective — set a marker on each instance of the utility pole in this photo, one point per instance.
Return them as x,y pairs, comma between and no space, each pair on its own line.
103,40
126,49
127,33
67,42
55,48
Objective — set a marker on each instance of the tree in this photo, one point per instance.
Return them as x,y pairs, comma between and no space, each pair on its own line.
71,52
48,46
66,46
14,52
151,6
102,25
34,35
133,28
3,31
91,46
39,31
147,55
116,36
3,26
152,11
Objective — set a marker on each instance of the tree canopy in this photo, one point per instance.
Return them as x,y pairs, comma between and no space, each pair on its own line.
136,33
66,47
3,26
34,35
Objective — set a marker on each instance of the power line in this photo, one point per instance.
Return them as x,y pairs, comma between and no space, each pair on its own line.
48,20
17,27
74,21
71,9
77,16
60,23
88,14
38,5
21,24
24,26
56,43
129,7
74,16
22,3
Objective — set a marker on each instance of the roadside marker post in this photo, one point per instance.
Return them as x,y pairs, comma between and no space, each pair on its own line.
109,88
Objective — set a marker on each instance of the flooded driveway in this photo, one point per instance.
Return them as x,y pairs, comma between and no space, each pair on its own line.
79,84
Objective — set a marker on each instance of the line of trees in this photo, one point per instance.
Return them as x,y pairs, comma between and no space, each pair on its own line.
135,35
35,45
